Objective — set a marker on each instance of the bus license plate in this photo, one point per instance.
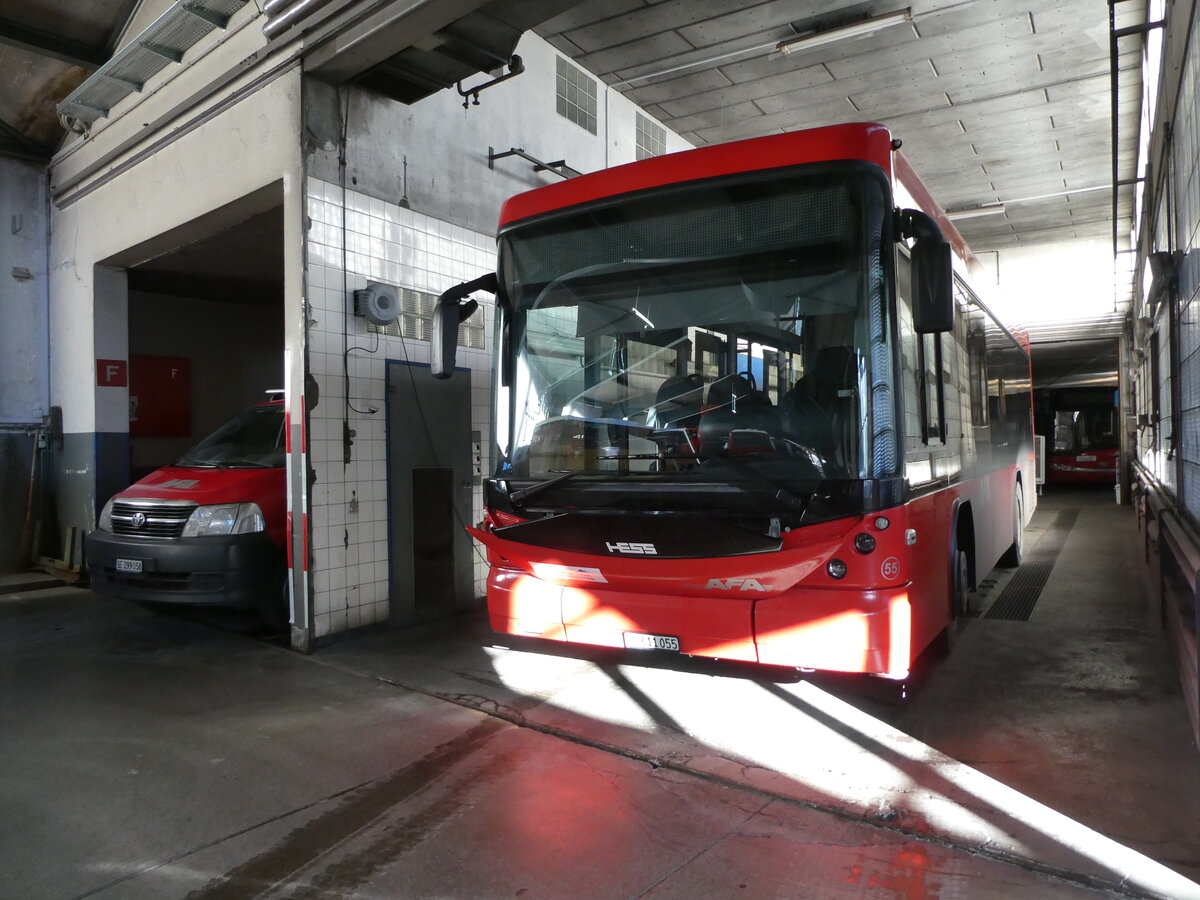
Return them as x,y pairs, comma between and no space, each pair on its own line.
129,565
634,641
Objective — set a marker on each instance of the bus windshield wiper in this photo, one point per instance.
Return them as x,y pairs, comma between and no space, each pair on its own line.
518,496
779,491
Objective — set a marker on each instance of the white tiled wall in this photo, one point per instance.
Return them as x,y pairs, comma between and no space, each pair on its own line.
382,242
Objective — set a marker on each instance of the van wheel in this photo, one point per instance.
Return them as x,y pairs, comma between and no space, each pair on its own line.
274,607
1012,556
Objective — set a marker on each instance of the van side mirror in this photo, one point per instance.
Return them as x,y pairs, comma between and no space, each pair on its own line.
932,273
453,307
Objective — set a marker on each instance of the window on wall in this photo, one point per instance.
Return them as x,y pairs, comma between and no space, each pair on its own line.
416,320
576,95
651,138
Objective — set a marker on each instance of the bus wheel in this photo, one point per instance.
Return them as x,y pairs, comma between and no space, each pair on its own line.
1012,556
962,587
959,588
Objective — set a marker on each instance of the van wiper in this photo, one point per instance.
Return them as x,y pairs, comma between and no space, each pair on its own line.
518,496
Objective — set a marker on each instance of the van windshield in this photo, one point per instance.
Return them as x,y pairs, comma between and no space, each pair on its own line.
250,440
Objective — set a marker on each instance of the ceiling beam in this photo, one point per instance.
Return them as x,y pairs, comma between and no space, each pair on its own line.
192,286
43,43
123,19
14,143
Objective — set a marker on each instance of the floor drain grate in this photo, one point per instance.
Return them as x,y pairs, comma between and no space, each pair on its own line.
1020,595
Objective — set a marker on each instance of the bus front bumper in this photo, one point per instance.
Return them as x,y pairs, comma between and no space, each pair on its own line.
809,628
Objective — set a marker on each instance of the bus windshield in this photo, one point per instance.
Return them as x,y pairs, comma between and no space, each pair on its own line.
728,330
1084,430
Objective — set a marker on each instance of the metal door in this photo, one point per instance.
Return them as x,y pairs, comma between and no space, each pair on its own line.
430,484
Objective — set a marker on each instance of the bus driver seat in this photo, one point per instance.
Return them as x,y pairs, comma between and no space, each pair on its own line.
819,410
677,402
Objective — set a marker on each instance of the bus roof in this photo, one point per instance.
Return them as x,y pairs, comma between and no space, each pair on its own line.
859,141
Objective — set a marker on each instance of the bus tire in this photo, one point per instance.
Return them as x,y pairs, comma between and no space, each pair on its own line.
1013,555
960,588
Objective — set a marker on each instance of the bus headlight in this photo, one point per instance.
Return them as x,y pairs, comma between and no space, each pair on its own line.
224,519
836,568
864,543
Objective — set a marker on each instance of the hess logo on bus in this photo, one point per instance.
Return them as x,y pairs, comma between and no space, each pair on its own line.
631,548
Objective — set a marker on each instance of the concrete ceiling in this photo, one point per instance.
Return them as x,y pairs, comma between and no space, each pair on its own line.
242,263
997,101
47,48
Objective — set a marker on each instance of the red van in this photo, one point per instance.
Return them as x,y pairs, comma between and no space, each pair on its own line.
208,530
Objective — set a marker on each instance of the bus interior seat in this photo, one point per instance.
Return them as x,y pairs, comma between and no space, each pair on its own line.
819,410
729,392
678,402
733,403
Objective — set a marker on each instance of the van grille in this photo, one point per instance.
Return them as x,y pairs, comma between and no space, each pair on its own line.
163,519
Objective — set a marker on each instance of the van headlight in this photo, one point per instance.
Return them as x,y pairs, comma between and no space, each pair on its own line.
224,519
105,523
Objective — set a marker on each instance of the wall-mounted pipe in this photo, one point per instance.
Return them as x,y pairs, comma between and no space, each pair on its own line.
1114,36
282,14
558,167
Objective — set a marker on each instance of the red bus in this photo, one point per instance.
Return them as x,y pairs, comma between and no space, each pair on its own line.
744,409
1082,440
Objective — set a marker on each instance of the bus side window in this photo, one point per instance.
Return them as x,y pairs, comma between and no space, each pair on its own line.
978,374
910,358
924,398
932,387
996,412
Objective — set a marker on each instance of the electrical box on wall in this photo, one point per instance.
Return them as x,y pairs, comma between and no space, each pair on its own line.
160,396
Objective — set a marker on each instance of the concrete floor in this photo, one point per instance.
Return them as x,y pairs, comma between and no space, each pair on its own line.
160,757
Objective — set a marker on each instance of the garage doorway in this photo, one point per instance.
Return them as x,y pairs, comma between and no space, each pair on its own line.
205,336
430,488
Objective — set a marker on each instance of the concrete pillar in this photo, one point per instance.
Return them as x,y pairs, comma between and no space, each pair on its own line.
110,293
295,330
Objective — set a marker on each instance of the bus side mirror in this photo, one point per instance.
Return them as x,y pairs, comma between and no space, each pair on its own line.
932,272
452,308
932,286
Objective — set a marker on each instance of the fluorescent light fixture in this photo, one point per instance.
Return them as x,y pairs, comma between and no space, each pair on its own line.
992,209
845,32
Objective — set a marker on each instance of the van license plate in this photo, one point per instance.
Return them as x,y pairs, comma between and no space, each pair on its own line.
634,641
129,565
